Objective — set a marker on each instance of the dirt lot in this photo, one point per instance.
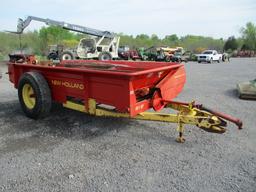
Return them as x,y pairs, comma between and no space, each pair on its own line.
71,151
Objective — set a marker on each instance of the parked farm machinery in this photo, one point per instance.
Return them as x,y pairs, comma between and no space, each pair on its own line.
102,45
125,53
113,89
152,53
159,53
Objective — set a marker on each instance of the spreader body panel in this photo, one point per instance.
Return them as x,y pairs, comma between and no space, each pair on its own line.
126,86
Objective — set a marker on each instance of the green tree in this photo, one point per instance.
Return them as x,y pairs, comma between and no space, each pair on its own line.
195,43
171,40
142,36
231,44
154,37
53,35
249,36
127,40
142,40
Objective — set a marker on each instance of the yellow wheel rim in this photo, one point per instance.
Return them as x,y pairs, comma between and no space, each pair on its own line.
28,96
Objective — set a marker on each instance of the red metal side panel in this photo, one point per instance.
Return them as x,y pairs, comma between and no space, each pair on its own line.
64,84
172,84
110,91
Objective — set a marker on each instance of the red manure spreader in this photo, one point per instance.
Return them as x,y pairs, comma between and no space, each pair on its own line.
111,88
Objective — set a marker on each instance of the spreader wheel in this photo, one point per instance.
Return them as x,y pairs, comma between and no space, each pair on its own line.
34,95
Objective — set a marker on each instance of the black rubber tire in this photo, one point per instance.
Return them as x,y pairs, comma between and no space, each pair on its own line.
42,94
211,61
105,56
199,61
52,56
167,59
69,56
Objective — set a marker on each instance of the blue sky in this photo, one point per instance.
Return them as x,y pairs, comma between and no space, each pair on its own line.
216,18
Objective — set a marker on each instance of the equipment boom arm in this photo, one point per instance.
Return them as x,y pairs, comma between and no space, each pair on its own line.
22,24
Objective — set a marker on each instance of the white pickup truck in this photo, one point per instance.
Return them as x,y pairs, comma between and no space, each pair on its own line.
209,56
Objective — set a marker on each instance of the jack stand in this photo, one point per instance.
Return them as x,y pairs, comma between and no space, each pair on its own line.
180,129
180,139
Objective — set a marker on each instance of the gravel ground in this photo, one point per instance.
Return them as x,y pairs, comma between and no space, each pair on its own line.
71,151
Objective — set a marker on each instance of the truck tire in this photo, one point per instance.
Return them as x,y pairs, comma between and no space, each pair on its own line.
66,56
105,56
211,60
224,58
34,95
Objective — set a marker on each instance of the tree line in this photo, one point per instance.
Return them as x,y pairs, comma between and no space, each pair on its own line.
37,42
